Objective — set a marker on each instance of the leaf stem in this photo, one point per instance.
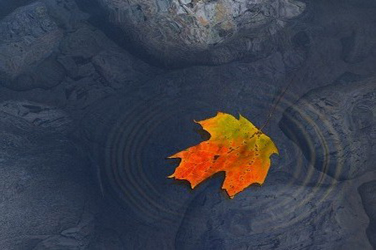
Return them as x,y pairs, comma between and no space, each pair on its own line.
274,107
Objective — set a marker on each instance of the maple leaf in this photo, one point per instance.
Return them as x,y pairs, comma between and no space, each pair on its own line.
236,147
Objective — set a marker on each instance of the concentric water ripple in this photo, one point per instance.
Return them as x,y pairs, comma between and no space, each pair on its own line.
312,190
146,131
129,166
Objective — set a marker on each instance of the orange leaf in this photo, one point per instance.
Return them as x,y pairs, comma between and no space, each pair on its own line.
235,147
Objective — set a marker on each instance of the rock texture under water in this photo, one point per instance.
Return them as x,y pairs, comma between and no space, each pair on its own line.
282,214
27,37
335,126
46,192
367,193
204,32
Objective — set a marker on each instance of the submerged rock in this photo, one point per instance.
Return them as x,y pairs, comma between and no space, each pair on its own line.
335,127
39,115
282,214
27,37
46,189
367,192
204,32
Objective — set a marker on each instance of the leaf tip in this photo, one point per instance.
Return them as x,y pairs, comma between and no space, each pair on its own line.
171,176
275,151
174,156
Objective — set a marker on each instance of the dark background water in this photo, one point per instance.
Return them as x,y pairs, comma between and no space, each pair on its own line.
89,116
